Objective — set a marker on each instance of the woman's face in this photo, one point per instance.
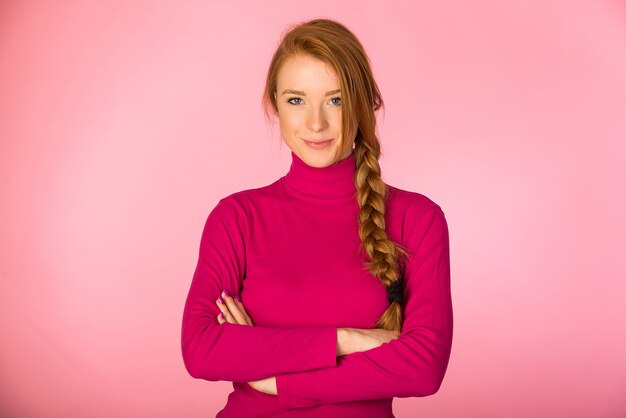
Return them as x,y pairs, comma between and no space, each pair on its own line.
309,109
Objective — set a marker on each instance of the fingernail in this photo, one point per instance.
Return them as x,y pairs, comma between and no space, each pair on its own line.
219,300
237,298
226,293
221,315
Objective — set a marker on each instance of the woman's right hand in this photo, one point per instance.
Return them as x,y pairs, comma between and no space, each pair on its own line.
363,339
366,339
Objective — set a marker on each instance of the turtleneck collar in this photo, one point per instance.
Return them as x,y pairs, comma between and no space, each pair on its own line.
334,180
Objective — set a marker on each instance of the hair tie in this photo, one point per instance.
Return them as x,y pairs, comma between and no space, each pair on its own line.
394,291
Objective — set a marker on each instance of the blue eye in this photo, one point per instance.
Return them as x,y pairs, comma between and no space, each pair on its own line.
337,101
337,98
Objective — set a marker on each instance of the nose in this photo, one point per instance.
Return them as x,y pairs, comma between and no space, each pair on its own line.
316,120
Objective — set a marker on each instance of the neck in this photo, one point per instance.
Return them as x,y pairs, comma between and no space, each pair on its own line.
334,180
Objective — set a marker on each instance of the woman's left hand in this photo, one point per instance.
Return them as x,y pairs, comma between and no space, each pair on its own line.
235,313
232,311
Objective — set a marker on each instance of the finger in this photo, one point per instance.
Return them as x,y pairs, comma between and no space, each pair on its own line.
220,318
224,309
243,310
234,309
239,312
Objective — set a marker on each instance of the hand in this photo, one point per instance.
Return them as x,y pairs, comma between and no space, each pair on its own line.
233,311
366,339
265,385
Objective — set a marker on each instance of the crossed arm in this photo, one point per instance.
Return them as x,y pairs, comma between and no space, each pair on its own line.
316,365
349,340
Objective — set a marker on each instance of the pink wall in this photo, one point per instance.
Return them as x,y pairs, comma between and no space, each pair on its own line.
123,123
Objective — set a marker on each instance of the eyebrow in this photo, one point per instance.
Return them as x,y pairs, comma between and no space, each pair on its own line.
301,93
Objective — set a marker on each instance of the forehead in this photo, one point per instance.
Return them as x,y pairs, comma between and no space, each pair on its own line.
304,72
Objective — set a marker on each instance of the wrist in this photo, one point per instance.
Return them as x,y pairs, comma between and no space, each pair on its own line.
344,341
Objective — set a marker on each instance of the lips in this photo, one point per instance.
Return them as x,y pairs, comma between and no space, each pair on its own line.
319,145
318,142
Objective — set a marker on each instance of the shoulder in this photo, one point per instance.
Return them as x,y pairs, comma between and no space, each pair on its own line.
412,204
241,203
249,196
414,215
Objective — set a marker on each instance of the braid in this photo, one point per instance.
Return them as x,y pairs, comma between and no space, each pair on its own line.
383,253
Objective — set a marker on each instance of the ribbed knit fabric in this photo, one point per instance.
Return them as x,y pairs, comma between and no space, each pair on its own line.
291,251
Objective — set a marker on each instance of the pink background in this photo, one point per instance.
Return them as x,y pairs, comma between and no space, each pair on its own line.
123,122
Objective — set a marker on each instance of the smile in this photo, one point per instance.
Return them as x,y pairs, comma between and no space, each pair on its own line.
319,144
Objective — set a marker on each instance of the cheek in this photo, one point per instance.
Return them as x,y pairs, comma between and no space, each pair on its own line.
337,120
290,122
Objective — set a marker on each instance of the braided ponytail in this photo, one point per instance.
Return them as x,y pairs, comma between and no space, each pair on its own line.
383,253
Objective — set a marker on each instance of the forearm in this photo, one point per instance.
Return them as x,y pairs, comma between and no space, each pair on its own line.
345,345
345,342
247,353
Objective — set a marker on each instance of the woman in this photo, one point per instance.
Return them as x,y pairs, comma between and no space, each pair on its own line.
327,292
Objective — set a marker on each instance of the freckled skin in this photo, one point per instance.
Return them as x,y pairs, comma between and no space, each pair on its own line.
314,115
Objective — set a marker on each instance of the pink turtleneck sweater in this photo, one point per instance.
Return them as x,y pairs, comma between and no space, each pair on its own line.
290,250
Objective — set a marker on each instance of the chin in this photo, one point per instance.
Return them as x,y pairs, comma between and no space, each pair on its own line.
318,158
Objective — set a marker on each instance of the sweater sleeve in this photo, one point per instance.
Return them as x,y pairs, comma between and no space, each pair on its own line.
235,352
413,364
